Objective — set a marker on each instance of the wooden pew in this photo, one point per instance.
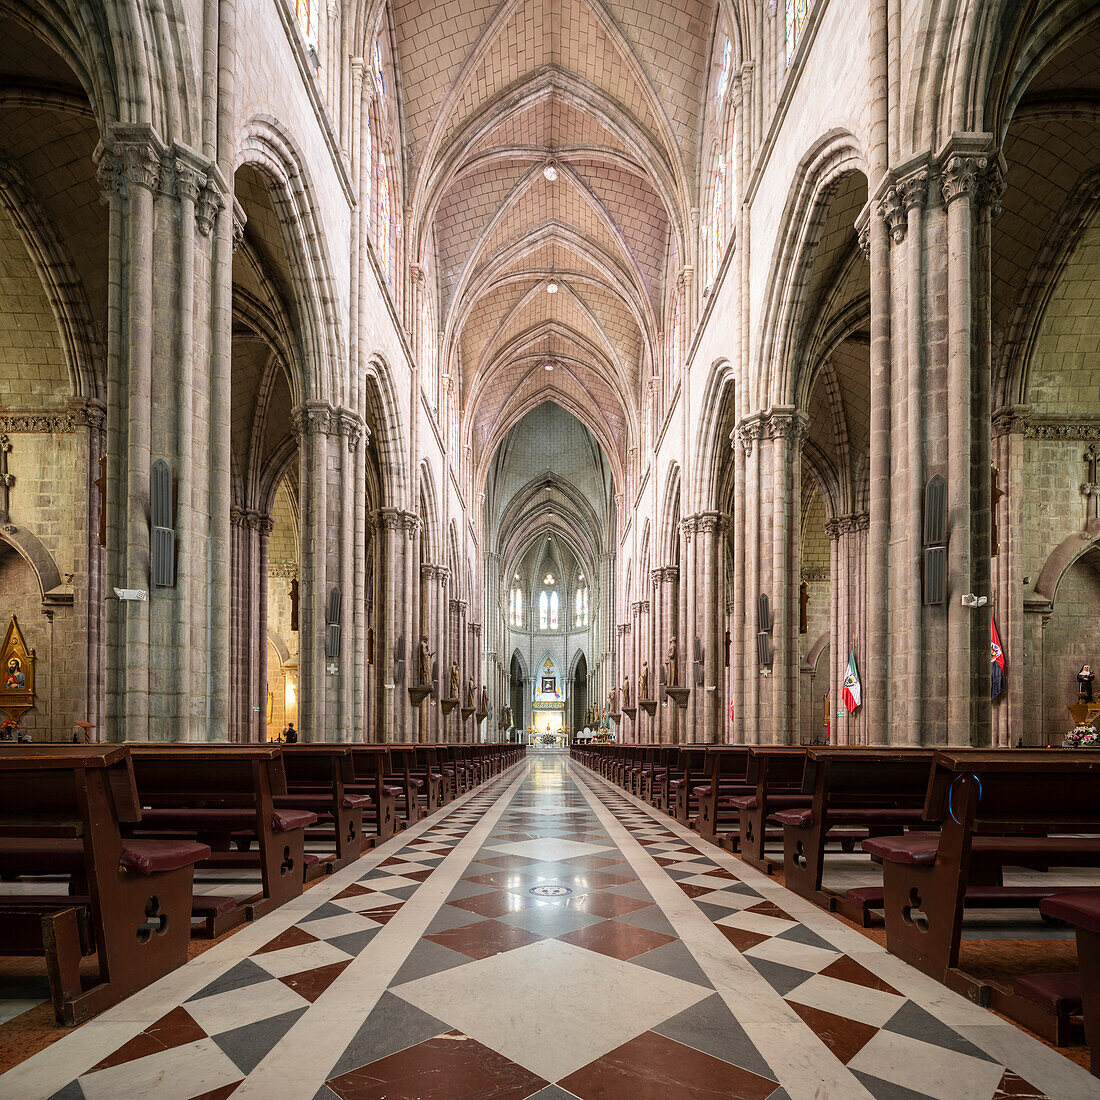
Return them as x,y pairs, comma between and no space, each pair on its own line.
371,764
718,819
411,802
62,809
655,781
224,795
1072,993
775,771
856,792
319,779
690,773
998,809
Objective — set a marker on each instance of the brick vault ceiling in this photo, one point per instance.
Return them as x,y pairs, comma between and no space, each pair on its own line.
609,93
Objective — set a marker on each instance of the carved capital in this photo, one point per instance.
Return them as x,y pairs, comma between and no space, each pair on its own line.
458,607
914,189
785,423
111,176
991,188
1011,420
833,528
210,205
891,209
961,175
389,519
749,431
189,180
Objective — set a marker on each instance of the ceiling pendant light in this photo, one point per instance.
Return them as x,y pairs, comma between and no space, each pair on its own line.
550,172
551,287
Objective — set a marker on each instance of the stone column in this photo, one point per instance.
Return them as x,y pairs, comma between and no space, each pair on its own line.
388,597
837,577
750,434
408,725
964,161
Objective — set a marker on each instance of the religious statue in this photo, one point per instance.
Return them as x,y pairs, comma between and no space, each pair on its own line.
611,708
671,679
471,698
452,683
484,700
626,692
1085,679
507,715
424,660
643,681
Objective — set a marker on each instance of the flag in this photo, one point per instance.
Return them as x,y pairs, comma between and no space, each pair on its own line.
997,659
853,692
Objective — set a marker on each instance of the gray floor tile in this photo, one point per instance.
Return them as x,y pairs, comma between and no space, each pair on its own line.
427,957
393,1025
709,1026
248,1046
912,1020
246,972
675,960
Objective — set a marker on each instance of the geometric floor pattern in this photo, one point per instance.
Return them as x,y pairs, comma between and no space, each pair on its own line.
547,937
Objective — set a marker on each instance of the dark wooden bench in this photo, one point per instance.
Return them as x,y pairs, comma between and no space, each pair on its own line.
371,765
856,793
661,765
775,773
319,779
224,796
998,809
718,818
690,772
1063,996
62,809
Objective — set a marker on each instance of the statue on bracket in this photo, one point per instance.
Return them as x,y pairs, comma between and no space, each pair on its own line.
671,677
424,661
626,692
452,682
17,663
643,681
471,694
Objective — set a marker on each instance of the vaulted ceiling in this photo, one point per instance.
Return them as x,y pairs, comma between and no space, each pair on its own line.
551,144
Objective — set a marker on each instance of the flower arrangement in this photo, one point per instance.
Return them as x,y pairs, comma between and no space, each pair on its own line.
1082,737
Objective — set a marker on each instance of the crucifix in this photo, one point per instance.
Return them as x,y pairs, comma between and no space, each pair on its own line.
1091,487
101,486
995,494
6,481
803,603
293,593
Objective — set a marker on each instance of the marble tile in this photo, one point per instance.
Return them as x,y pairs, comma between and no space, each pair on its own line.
941,1073
857,1002
443,1068
488,937
654,1067
244,1006
550,920
177,1074
293,960
552,1007
247,1046
709,1026
552,849
620,941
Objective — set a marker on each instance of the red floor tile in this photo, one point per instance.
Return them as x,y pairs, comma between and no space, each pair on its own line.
448,1067
652,1067
618,940
487,937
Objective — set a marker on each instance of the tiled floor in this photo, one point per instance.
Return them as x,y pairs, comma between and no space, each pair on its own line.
547,937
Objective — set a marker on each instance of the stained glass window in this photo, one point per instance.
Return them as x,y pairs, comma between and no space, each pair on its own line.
515,607
796,20
718,216
305,11
723,73
580,607
379,75
553,611
384,216
544,611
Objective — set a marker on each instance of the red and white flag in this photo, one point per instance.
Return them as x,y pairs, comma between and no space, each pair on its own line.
853,691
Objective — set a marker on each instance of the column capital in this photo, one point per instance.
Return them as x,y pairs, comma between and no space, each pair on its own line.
312,418
749,431
458,607
891,208
1011,420
963,161
785,422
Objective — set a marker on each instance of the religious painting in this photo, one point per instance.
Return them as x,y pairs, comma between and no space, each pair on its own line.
17,668
549,685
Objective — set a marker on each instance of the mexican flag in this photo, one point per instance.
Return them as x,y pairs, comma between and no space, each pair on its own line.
853,692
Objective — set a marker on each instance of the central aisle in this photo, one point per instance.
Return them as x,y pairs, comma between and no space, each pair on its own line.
547,936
